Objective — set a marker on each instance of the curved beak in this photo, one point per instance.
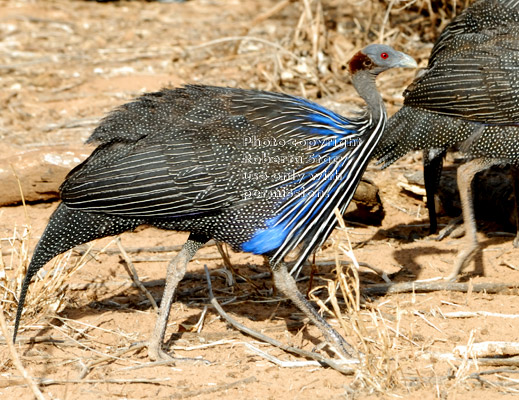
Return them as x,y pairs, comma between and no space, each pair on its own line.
406,61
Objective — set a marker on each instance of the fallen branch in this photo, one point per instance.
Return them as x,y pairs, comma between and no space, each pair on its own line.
472,314
509,362
484,361
48,382
489,349
408,287
495,371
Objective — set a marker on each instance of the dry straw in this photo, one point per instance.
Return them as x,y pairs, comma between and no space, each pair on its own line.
46,294
366,330
327,34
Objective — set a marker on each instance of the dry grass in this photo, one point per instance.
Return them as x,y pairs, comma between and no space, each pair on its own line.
390,361
47,293
310,59
379,369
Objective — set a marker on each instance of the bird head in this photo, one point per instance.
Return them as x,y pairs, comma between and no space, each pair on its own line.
377,58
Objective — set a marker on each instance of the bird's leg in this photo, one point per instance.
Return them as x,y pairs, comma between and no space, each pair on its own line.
432,170
514,171
465,176
176,270
453,229
286,284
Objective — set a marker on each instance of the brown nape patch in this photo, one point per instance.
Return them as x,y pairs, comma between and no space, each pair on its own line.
360,61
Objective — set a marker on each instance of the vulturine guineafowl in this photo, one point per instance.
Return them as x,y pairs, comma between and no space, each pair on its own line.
260,171
490,18
467,97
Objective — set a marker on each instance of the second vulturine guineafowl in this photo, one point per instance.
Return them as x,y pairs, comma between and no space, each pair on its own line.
260,171
467,97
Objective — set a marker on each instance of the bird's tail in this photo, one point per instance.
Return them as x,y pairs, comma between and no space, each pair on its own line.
66,229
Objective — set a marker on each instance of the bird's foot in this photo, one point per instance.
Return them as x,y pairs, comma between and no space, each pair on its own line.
516,241
453,229
453,277
462,261
156,354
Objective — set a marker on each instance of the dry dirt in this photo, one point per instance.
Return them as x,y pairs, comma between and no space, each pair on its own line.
64,64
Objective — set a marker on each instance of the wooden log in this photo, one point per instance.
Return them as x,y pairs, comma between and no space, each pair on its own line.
39,172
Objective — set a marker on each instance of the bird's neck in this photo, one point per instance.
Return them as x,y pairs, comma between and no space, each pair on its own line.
364,83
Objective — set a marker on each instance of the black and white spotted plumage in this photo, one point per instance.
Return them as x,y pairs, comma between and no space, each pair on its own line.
260,171
469,93
235,160
467,97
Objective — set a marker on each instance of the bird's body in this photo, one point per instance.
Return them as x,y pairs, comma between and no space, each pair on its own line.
223,162
260,171
468,97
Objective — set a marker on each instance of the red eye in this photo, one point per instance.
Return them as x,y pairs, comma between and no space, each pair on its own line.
384,55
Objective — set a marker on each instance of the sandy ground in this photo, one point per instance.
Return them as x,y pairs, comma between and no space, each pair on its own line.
65,64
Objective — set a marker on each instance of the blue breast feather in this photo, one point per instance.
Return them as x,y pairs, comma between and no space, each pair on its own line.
333,139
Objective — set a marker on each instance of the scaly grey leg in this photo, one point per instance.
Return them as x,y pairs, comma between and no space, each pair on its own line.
466,173
176,270
286,284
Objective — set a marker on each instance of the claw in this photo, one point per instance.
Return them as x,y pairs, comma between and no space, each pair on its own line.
157,354
452,229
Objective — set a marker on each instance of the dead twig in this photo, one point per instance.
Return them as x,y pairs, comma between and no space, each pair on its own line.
133,274
472,314
48,382
16,360
489,349
419,314
218,388
376,270
409,287
509,265
38,339
86,368
281,363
